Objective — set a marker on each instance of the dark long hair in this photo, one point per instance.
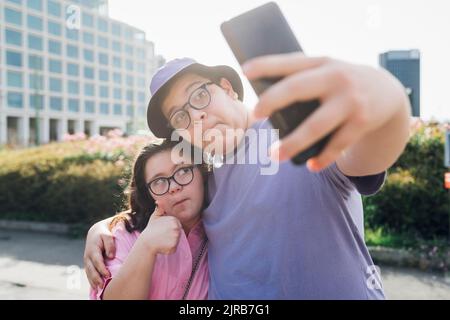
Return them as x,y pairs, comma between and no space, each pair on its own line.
139,201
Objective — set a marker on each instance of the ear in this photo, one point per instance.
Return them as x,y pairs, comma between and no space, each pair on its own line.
228,88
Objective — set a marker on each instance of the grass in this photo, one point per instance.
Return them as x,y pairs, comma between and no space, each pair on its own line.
383,238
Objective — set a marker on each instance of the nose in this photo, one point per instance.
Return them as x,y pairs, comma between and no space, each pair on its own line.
198,115
174,187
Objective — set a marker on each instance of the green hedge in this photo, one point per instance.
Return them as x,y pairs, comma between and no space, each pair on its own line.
414,201
73,182
61,183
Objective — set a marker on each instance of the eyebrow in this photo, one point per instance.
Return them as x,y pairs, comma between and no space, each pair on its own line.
159,175
186,90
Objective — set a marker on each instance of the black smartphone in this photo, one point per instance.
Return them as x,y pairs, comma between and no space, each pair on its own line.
263,31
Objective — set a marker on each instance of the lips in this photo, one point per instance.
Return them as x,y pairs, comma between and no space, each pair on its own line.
180,202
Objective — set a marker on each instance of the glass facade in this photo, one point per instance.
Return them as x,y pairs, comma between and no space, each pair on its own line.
15,100
14,79
56,61
13,37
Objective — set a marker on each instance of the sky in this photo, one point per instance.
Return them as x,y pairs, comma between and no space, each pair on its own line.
351,30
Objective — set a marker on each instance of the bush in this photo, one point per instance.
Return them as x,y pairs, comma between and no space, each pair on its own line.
414,201
80,181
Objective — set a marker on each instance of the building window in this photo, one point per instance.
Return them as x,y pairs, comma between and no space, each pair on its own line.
117,47
18,2
117,109
35,62
117,93
141,111
54,47
54,66
56,103
73,87
130,81
13,58
129,50
88,20
88,55
36,101
72,51
130,95
104,108
117,62
88,38
72,34
53,8
73,105
130,111
141,68
13,16
104,92
117,77
55,85
34,23
103,42
14,79
88,73
35,4
13,37
128,34
141,53
89,89
103,58
54,28
72,69
89,107
129,65
102,25
15,100
36,82
103,75
35,42
141,96
116,29
141,82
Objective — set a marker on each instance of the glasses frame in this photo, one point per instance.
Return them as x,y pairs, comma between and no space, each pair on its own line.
172,177
183,108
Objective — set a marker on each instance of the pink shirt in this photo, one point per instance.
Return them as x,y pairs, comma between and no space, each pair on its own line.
171,273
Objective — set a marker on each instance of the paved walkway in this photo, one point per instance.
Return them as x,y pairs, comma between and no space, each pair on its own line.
43,266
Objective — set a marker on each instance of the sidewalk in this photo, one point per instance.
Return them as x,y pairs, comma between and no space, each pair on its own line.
41,266
45,266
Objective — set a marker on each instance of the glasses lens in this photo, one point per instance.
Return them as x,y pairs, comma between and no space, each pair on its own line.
180,120
159,186
200,98
183,176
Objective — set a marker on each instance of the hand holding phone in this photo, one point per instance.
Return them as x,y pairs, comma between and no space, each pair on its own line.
264,31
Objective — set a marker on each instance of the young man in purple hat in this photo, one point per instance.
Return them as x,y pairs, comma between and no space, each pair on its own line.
298,233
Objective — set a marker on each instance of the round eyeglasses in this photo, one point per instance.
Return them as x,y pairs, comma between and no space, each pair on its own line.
182,177
199,99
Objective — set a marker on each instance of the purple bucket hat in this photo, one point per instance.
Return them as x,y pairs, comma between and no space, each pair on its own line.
166,76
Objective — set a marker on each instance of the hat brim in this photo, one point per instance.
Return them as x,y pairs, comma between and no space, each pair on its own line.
156,120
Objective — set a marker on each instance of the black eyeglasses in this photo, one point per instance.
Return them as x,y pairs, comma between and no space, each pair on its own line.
182,177
199,99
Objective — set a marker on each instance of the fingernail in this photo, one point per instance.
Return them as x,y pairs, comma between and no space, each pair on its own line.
313,165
